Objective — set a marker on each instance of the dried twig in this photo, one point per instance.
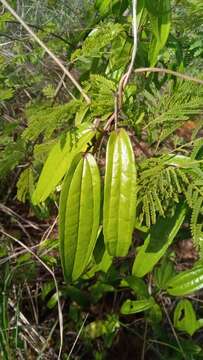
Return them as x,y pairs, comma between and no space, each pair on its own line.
77,337
48,51
144,340
173,331
10,212
59,86
168,71
60,315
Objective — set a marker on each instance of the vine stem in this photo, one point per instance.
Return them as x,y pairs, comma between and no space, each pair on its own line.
125,78
47,50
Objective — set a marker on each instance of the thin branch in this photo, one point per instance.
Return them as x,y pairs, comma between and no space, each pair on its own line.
41,29
77,337
144,70
144,340
59,86
125,78
173,331
134,52
168,71
47,50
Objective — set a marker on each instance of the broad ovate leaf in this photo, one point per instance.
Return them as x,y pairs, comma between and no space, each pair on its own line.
79,215
184,318
59,160
135,306
186,282
158,241
119,194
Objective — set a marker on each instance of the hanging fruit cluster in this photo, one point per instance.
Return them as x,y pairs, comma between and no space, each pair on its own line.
80,205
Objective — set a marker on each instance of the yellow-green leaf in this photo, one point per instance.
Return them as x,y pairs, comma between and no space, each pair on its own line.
58,162
135,306
186,282
184,318
157,242
160,18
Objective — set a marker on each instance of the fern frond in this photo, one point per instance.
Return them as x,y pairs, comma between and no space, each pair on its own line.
196,227
25,184
170,107
152,208
176,181
102,93
197,152
98,39
45,119
164,182
10,156
146,210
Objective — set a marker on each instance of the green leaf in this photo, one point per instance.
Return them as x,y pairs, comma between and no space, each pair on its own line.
97,40
135,306
103,266
160,17
141,13
44,119
6,94
119,194
164,273
53,300
155,314
98,290
79,215
158,241
77,296
59,161
25,185
102,327
111,6
47,288
4,18
183,162
184,318
137,285
186,282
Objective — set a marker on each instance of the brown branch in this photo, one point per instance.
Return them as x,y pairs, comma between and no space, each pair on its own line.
124,80
144,70
47,50
170,72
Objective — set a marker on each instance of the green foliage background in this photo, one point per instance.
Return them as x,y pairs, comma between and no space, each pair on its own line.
163,116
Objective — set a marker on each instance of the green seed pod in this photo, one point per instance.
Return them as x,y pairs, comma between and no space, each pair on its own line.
79,215
119,194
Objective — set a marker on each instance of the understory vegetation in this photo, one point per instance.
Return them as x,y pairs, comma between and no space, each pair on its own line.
101,179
